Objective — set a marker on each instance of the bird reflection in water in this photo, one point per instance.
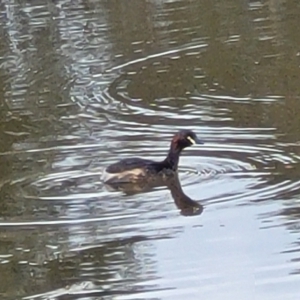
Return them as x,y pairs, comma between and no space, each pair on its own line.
186,205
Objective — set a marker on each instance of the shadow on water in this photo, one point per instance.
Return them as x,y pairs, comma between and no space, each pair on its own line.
185,204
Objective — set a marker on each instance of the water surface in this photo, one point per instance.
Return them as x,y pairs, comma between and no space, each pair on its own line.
87,83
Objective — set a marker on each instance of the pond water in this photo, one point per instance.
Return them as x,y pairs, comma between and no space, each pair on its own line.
86,83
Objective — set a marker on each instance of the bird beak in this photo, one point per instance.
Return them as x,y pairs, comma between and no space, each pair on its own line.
199,142
195,141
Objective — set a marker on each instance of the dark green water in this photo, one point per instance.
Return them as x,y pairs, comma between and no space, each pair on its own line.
86,83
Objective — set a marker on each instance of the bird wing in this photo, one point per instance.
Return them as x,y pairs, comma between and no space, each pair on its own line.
128,164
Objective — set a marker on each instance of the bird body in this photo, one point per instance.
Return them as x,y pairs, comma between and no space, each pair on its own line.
136,169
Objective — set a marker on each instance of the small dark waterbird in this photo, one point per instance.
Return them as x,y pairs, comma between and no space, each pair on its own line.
139,169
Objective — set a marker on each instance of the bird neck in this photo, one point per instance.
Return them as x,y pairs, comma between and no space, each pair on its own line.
172,158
